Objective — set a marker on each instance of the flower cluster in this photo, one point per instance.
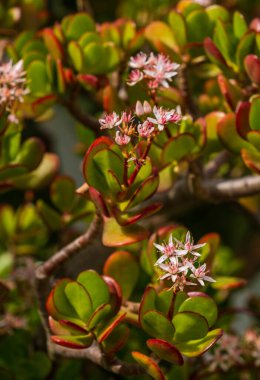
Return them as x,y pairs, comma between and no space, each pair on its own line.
179,262
12,87
155,70
232,351
139,123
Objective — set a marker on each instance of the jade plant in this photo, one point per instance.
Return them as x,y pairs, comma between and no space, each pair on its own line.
106,275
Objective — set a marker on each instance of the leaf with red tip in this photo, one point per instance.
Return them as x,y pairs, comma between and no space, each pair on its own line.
194,348
201,304
53,44
63,327
98,316
63,193
123,267
230,90
145,191
158,33
242,118
150,366
104,334
228,283
212,241
115,235
165,351
116,340
252,66
252,159
115,293
77,342
213,52
228,134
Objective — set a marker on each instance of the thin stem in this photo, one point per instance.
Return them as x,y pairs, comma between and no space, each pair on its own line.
84,118
185,89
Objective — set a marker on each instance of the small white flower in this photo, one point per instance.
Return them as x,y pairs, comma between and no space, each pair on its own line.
122,139
139,61
162,117
110,121
200,274
188,246
146,129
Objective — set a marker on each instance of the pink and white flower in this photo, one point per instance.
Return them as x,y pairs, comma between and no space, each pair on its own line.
146,129
110,121
122,139
200,274
172,269
188,246
162,117
139,61
135,76
162,70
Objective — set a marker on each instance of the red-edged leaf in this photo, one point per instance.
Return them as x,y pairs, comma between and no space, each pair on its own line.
147,302
123,267
150,366
115,293
165,351
228,134
213,52
117,339
242,118
79,342
53,44
251,159
228,283
115,235
108,330
252,66
99,314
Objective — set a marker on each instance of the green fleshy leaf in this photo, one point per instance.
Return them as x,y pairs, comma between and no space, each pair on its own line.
189,326
150,366
76,55
164,301
252,66
37,78
78,25
239,25
178,26
228,134
228,283
61,302
115,235
98,316
50,216
79,299
203,305
217,12
63,193
7,221
109,328
252,159
95,286
244,48
31,153
165,351
116,339
254,115
198,26
157,325
53,44
197,347
159,34
78,342
123,267
148,301
178,148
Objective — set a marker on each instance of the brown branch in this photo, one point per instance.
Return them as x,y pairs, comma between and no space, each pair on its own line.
186,93
214,190
214,165
95,355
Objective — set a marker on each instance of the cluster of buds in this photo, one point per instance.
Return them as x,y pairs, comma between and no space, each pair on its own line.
12,87
154,70
145,122
232,351
179,263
